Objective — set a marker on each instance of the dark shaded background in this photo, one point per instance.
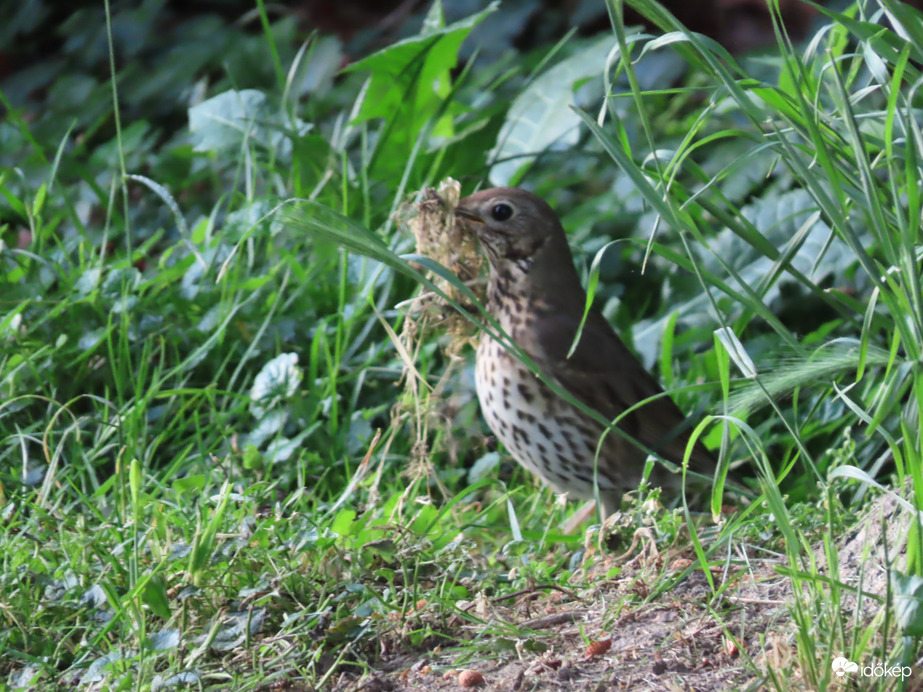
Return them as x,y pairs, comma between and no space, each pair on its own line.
33,30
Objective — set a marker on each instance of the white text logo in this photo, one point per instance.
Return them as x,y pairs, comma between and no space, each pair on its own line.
842,666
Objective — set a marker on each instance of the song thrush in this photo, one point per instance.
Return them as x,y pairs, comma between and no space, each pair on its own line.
535,295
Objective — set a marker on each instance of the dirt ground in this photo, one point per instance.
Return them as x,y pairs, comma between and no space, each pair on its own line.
684,638
675,641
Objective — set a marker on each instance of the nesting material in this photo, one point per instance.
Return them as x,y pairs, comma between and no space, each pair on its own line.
439,236
423,407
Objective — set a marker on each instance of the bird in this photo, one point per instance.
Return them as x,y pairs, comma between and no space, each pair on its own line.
534,294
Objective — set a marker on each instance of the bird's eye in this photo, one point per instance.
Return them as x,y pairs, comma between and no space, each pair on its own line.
501,212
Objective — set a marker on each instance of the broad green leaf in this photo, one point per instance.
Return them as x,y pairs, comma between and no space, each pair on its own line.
541,116
223,121
155,596
226,121
411,76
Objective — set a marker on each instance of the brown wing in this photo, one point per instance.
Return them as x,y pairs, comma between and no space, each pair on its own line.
606,376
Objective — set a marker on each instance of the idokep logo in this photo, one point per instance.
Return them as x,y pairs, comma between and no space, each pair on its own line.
842,666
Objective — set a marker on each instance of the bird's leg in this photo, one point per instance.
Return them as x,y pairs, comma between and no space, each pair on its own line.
587,509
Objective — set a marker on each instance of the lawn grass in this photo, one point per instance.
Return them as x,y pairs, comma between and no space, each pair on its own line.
231,461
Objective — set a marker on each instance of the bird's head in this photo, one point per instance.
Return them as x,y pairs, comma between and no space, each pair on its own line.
521,234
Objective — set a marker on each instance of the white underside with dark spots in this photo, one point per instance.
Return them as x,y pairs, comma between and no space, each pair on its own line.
536,426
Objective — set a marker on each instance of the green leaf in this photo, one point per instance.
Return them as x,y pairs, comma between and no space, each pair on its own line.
134,475
225,122
343,522
155,597
205,543
908,599
14,202
541,116
434,19
408,88
39,200
408,76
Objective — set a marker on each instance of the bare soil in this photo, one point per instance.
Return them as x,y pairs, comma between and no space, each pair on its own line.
618,635
683,639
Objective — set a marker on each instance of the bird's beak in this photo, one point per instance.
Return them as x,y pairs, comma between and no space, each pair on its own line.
468,215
